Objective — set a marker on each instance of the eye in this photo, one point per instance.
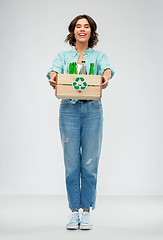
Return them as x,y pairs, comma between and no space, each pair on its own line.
87,26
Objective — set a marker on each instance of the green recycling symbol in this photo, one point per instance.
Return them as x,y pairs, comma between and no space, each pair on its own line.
79,84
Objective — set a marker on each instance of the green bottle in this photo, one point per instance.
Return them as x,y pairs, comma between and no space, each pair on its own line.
70,68
74,68
91,72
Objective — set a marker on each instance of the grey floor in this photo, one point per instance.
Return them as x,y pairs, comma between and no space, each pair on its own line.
115,217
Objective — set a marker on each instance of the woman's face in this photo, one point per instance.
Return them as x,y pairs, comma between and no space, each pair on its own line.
82,31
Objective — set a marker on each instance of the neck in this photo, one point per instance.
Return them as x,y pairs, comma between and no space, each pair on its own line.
81,47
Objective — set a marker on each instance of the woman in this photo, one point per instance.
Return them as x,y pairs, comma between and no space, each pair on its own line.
81,121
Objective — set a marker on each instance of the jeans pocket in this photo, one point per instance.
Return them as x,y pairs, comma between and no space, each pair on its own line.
65,103
96,103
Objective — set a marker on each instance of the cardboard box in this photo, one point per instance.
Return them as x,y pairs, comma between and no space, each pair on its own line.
82,87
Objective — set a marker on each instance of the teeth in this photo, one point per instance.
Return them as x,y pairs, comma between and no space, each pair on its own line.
81,34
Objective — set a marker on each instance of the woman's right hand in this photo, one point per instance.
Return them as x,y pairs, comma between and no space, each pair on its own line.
52,81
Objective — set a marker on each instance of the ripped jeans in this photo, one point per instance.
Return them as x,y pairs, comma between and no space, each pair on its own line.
81,128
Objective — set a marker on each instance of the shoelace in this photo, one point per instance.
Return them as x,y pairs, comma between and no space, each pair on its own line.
73,217
84,218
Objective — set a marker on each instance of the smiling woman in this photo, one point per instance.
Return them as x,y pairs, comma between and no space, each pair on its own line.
81,121
82,31
78,22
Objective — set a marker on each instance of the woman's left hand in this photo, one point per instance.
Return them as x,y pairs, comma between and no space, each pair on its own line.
104,82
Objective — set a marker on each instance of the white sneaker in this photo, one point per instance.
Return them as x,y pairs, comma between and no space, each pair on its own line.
85,222
73,223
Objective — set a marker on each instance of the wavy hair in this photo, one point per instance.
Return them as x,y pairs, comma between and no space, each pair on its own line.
93,40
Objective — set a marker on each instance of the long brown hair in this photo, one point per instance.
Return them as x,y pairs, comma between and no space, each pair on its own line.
94,35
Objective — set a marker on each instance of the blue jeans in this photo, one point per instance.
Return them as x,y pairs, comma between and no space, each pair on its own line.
81,128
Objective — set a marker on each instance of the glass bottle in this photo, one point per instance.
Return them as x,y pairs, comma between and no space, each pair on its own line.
74,68
83,68
66,68
70,68
91,71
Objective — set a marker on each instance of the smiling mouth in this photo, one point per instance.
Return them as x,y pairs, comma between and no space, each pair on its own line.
82,34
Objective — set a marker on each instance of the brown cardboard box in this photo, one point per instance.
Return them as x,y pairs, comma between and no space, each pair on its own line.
82,87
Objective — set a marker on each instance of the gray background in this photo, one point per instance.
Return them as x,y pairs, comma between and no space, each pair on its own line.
130,33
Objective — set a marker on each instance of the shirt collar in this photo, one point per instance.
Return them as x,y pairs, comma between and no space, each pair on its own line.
87,52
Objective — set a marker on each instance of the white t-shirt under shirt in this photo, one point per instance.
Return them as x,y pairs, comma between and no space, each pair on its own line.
78,68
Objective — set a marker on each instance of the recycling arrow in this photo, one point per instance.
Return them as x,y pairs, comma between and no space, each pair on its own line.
79,84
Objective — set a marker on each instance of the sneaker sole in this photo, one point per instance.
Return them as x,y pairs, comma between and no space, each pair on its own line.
84,227
72,227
